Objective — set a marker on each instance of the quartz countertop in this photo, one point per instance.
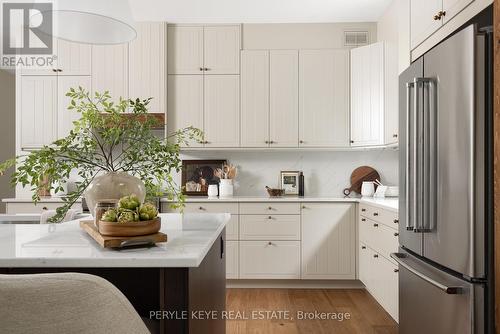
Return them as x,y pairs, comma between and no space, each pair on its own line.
391,203
190,237
52,199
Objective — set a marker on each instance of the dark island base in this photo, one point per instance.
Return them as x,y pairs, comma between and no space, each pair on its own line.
184,300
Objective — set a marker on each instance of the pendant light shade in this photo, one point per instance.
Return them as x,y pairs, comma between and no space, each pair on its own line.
92,21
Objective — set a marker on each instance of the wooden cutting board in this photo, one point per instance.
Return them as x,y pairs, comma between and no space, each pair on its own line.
118,242
360,175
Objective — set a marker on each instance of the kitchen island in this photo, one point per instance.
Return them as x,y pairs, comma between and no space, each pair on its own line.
169,284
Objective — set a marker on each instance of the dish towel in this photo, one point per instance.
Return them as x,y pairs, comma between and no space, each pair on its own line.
47,214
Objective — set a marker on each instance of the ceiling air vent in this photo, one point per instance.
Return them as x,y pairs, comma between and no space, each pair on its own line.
356,38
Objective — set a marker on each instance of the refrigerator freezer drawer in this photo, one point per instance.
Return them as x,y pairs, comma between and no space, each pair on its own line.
433,302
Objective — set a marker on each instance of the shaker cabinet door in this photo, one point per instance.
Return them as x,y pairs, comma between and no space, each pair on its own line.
422,22
185,103
185,50
254,98
221,117
221,52
110,70
284,98
73,58
65,116
38,106
324,98
147,65
328,241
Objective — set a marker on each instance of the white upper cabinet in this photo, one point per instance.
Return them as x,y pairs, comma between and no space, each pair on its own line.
73,58
185,103
367,95
110,70
328,241
453,7
324,98
65,117
284,98
221,117
222,49
211,49
147,65
422,20
185,50
254,98
37,114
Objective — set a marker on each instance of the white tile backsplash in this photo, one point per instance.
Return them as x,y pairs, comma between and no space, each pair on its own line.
326,173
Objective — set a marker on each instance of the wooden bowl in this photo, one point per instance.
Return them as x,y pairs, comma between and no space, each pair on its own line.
132,229
273,192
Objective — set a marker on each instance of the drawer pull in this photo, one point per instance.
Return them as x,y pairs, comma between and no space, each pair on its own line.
396,234
375,225
363,247
396,270
304,207
201,208
396,221
363,210
363,219
270,208
269,217
44,208
271,244
375,255
375,213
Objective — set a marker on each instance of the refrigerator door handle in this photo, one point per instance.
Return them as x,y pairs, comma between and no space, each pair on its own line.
409,225
451,290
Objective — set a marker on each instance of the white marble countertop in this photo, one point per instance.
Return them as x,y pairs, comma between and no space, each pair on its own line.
53,199
254,199
391,203
190,237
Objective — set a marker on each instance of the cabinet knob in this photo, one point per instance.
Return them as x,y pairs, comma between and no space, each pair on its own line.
352,141
270,208
206,142
363,247
59,70
396,270
269,217
375,225
396,234
44,208
201,208
271,142
304,207
396,221
375,255
201,68
54,70
270,243
395,135
363,219
301,142
206,69
267,142
375,213
363,210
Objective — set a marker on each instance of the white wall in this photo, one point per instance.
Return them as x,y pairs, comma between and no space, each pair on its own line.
7,129
326,173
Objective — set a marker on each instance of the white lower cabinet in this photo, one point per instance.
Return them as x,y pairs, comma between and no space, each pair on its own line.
328,241
270,259
378,237
232,270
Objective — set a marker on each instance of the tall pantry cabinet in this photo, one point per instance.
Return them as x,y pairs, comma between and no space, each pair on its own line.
204,82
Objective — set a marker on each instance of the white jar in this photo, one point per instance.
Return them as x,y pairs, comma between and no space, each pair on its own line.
226,188
213,190
367,189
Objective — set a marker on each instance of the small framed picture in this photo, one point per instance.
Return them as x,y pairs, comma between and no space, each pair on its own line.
290,182
197,175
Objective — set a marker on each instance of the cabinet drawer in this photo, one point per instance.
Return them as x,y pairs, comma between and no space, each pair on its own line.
232,228
387,217
201,207
270,227
379,237
384,285
270,259
270,208
16,208
232,259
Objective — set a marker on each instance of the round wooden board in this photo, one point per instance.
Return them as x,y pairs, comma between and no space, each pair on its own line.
360,175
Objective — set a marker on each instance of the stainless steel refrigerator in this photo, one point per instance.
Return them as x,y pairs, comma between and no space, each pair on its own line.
445,205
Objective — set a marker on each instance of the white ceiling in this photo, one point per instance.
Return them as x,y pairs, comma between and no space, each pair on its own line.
258,11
